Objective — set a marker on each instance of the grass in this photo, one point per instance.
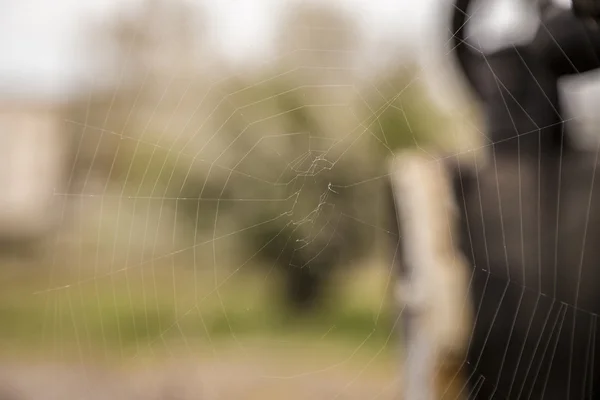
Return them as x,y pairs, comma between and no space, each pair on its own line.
128,312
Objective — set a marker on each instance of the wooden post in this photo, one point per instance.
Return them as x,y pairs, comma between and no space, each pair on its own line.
433,290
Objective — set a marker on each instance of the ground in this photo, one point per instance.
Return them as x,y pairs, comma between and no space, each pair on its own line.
251,374
282,371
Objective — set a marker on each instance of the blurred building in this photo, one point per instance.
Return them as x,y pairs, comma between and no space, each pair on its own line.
34,167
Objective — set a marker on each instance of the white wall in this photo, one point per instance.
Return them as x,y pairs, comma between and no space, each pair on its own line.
32,165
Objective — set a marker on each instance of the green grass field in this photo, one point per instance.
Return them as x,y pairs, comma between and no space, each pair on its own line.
165,329
133,311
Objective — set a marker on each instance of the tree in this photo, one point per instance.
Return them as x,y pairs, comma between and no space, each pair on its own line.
320,227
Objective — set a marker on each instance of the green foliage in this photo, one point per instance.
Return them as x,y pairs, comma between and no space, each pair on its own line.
394,129
402,114
144,167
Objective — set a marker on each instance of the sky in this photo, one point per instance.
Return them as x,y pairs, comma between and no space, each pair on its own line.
41,46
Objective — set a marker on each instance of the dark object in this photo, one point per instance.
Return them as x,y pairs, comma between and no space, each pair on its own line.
306,270
587,8
517,86
529,234
305,286
567,45
529,220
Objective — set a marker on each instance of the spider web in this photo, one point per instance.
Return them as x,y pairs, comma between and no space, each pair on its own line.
542,308
151,157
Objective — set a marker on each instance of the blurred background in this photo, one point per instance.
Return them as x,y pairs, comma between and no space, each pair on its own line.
193,194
